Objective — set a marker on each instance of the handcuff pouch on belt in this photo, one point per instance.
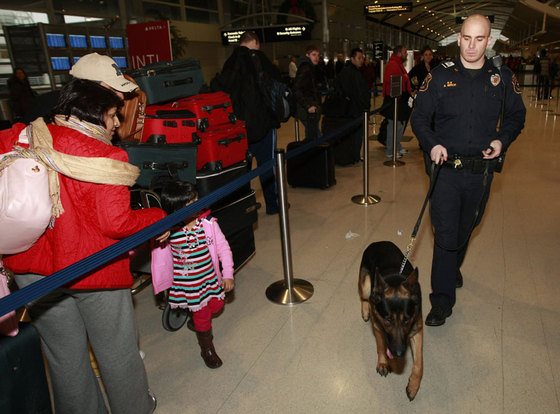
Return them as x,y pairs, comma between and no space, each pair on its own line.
476,165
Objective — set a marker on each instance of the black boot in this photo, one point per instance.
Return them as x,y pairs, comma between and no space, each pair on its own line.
207,351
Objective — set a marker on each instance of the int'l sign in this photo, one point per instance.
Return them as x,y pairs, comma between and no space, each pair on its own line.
148,43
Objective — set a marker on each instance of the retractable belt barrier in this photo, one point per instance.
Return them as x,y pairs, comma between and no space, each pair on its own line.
40,288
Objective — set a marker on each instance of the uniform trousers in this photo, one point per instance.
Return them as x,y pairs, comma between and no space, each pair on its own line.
456,196
263,151
65,320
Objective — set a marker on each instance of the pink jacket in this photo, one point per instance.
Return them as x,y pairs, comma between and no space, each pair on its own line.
218,246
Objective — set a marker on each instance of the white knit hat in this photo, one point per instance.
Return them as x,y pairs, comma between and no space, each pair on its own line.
101,68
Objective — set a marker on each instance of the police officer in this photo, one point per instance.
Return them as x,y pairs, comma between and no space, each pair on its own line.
464,98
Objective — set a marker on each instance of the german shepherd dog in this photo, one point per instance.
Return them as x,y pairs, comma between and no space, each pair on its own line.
394,302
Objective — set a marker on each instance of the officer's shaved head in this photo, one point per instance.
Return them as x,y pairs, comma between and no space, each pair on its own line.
477,19
473,41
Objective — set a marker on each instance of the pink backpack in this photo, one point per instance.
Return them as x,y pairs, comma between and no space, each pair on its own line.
25,205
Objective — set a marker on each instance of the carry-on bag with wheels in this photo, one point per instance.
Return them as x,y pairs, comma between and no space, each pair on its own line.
236,221
313,168
23,381
168,81
221,147
161,163
209,181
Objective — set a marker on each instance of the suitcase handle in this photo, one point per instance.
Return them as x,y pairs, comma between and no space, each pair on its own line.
172,114
209,108
177,82
172,167
228,141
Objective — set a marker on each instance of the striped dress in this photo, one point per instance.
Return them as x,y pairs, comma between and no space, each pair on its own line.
195,281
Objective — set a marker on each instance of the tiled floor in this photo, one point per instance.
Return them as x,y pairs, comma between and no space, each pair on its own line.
498,353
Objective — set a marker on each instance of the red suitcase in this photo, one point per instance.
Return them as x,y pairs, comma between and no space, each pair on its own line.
176,121
221,147
167,123
211,109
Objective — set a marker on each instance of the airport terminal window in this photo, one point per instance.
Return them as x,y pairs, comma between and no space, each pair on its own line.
95,8
203,4
201,16
158,11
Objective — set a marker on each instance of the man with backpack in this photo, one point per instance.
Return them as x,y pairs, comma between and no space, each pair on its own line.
242,77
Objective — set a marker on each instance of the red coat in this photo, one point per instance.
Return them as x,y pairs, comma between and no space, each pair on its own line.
395,67
95,216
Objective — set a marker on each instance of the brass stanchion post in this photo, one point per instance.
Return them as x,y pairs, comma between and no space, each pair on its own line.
366,198
289,291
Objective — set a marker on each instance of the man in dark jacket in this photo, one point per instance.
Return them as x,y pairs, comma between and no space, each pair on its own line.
307,92
353,85
240,78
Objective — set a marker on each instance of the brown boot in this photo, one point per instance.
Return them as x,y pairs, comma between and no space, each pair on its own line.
208,353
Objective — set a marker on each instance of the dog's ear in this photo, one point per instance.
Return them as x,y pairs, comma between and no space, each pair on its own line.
412,279
379,284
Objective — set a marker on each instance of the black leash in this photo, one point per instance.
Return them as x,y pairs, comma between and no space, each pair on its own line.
434,172
433,176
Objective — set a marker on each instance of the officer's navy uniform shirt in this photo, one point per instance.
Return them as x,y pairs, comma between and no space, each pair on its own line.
467,108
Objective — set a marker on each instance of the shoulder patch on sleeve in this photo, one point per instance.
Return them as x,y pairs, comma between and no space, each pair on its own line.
426,83
515,83
447,64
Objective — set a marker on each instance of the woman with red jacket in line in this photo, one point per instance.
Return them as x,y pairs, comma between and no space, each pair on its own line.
395,67
97,306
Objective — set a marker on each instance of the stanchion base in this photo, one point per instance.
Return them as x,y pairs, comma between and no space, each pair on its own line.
279,293
397,163
366,201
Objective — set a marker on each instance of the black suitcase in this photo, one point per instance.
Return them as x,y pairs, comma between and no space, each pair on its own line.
168,81
160,163
236,221
313,168
209,181
242,245
23,382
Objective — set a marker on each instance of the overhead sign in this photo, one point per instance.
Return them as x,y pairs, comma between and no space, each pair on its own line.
269,34
148,43
388,8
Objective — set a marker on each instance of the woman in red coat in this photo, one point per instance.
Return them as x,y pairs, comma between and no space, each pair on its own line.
97,306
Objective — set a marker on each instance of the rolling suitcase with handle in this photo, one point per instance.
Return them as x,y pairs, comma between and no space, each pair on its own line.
221,147
23,380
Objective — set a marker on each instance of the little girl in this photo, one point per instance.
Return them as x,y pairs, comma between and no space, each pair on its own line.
199,284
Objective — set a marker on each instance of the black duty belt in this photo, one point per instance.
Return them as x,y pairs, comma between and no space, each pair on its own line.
477,165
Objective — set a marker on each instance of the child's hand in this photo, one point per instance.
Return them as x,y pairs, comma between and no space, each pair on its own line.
227,284
164,236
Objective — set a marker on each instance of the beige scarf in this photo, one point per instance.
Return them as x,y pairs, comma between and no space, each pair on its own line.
99,170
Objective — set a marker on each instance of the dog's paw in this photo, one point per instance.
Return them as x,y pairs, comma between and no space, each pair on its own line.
383,369
365,317
412,389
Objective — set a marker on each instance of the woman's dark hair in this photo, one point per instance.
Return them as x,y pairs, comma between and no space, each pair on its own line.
176,195
86,100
